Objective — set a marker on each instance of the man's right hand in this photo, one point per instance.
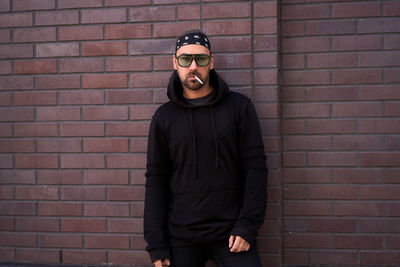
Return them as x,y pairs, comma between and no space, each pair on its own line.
162,263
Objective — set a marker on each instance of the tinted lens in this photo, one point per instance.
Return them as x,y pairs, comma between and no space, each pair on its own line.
202,60
184,60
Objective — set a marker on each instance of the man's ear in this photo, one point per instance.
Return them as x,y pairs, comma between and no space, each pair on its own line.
175,64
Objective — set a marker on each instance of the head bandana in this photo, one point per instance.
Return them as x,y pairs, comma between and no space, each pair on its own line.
193,38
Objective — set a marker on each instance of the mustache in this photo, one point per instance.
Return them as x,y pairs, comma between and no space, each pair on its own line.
193,73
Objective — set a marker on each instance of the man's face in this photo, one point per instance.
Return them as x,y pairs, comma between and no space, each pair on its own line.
186,74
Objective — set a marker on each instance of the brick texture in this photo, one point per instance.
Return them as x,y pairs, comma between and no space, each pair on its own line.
80,80
340,117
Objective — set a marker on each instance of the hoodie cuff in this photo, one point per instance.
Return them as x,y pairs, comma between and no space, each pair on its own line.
159,254
244,234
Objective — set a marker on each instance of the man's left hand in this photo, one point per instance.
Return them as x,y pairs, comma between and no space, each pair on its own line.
238,244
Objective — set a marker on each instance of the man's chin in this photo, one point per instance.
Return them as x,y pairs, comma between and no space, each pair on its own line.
193,87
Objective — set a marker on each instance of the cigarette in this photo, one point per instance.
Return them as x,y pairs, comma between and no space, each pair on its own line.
200,81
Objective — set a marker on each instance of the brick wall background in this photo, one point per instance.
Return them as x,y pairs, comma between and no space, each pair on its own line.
80,79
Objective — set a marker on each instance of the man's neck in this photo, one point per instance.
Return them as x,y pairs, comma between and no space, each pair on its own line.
191,94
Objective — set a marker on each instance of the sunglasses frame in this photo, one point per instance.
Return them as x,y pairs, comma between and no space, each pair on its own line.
193,56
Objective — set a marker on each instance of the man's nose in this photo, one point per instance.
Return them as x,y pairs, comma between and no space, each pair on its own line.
193,65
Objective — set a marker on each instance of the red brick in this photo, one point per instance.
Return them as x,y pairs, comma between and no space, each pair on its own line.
295,257
84,257
82,161
370,226
392,143
26,5
267,111
174,29
36,130
293,159
58,177
5,36
357,142
392,109
36,162
17,146
38,255
391,176
157,46
306,143
35,66
330,27
107,209
81,98
16,51
290,28
266,77
392,75
128,129
380,192
35,99
236,44
103,16
5,6
16,83
127,161
358,209
266,60
83,193
138,177
332,225
127,257
379,25
138,243
7,224
161,62
6,192
107,242
331,93
357,110
393,243
58,82
106,113
104,49
37,193
16,20
79,65
391,42
380,59
350,43
306,110
106,177
6,162
316,77
137,210
64,4
379,258
151,79
57,50
191,12
58,114
232,10
293,61
105,81
227,27
17,239
266,94
57,18
240,77
128,64
5,67
355,10
391,9
393,210
307,208
319,61
129,97
124,193
142,112
356,76
333,257
82,129
34,35
60,209
37,224
17,208
60,241
380,159
106,145
306,175
292,193
332,192
332,159
297,12
379,126
127,2
158,13
307,241
84,225
81,33
5,130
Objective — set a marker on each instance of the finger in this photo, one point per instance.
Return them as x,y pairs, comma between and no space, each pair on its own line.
236,245
231,240
158,263
167,262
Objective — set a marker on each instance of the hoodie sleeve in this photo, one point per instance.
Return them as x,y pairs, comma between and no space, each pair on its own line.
253,160
157,194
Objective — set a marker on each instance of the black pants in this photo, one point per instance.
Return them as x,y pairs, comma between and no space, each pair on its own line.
198,255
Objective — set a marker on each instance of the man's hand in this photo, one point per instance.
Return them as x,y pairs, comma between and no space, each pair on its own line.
161,263
238,244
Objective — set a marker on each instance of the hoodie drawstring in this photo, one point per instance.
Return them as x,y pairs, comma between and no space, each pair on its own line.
194,145
215,136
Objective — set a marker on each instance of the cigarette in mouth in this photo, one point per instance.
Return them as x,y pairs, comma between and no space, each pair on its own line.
200,81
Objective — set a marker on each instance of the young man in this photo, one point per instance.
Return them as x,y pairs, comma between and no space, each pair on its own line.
206,171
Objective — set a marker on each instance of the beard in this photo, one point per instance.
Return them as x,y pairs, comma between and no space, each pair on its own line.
194,85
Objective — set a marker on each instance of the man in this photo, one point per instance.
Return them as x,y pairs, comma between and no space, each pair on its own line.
206,171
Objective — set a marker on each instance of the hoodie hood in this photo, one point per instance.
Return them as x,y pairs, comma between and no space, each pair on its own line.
175,89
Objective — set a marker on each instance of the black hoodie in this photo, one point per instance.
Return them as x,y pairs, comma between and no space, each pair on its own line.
206,170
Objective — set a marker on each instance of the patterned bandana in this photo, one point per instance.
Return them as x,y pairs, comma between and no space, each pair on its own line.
193,38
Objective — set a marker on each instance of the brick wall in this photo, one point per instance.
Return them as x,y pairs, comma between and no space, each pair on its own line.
79,82
341,125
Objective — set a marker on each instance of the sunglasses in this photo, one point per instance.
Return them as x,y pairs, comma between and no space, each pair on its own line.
202,60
